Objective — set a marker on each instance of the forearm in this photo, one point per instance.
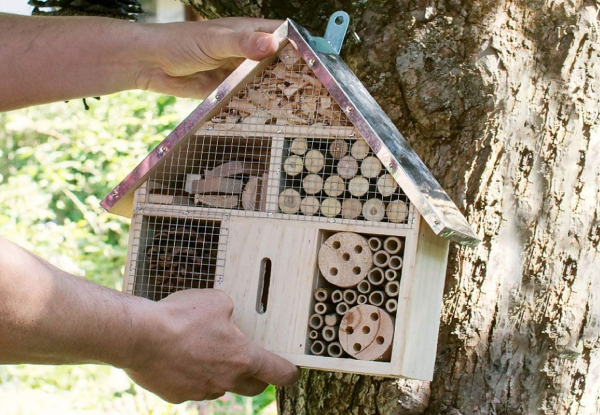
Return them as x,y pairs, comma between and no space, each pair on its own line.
50,316
45,59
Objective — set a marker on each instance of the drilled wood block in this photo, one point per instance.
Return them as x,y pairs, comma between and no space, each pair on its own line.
345,259
366,333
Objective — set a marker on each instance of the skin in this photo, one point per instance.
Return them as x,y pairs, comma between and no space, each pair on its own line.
185,347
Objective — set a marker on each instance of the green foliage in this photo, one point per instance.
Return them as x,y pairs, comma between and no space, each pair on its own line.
57,162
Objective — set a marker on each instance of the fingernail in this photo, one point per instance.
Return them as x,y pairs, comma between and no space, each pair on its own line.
263,43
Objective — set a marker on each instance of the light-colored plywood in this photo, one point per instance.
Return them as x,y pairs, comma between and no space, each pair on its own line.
135,230
287,131
341,365
419,304
283,325
272,204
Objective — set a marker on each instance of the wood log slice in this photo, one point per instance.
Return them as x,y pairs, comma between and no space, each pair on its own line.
226,170
312,184
314,161
299,146
334,186
351,208
397,211
289,201
366,333
293,165
386,185
373,210
331,207
309,206
345,259
338,149
358,186
360,149
347,167
370,167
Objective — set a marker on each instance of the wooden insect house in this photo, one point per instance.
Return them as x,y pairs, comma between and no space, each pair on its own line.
290,189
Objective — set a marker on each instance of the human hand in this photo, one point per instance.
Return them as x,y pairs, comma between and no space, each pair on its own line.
191,59
194,351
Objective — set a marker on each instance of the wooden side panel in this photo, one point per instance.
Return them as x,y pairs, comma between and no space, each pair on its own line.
293,254
135,231
274,174
419,307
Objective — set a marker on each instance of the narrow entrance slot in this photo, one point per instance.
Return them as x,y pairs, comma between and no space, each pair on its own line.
263,286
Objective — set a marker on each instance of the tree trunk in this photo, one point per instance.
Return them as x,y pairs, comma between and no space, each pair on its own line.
501,101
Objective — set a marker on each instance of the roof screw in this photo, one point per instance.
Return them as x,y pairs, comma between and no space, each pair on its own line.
391,165
115,194
311,62
138,207
437,222
162,151
349,109
217,97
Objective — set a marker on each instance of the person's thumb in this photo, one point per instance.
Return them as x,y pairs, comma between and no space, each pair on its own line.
251,45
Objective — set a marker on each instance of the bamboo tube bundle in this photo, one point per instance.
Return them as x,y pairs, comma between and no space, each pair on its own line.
392,288
350,297
342,308
377,298
391,305
391,275
329,333
317,348
337,296
334,349
323,308
392,245
364,287
376,276
381,259
322,294
316,321
395,262
375,243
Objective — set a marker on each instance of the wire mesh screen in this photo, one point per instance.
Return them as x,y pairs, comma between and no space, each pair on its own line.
282,147
176,254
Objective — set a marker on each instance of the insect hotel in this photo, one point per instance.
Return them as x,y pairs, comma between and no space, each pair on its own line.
291,190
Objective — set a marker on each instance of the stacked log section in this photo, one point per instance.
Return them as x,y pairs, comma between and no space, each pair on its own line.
310,206
338,149
289,201
366,333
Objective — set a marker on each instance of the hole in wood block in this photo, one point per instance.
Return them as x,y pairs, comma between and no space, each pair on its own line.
356,270
357,347
336,244
346,257
333,271
358,249
374,316
379,340
264,285
366,329
349,330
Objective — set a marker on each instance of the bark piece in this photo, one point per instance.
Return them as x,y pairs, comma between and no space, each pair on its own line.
334,186
347,167
370,167
358,186
218,201
217,185
309,206
331,207
289,201
366,333
373,210
189,181
249,195
386,185
293,165
241,106
351,208
360,149
344,259
314,161
338,149
226,170
397,211
312,184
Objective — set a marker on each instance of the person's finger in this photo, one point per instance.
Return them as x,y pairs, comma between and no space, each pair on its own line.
249,24
250,387
228,43
273,369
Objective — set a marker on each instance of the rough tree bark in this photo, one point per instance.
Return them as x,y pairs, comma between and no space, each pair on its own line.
501,100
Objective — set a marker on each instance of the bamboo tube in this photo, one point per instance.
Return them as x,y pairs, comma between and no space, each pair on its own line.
334,349
347,167
381,259
370,167
329,333
342,308
323,308
392,288
358,186
397,211
361,299
322,294
373,210
337,296
316,321
386,185
309,205
289,201
391,305
376,298
317,348
350,297
376,276
332,319
299,146
314,335
375,243
360,149
331,207
334,186
364,287
312,184
351,208
390,274
293,165
392,245
395,262
338,149
314,161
